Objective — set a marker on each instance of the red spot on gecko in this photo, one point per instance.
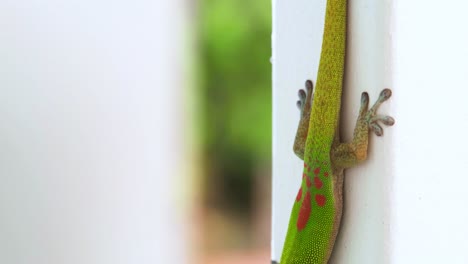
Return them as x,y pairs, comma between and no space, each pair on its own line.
320,199
304,175
318,183
326,174
299,195
305,165
309,183
304,213
317,171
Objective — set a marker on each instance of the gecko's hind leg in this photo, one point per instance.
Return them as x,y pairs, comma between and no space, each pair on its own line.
349,154
305,105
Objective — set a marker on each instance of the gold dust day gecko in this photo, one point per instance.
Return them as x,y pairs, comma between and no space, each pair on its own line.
316,213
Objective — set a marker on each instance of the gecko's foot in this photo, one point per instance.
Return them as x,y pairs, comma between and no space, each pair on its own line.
371,117
305,106
305,99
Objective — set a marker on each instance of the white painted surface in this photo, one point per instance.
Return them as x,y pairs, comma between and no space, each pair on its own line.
90,132
298,28
429,200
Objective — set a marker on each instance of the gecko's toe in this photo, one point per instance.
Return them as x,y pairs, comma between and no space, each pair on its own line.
377,129
388,120
302,94
305,99
302,99
299,105
309,86
364,98
385,94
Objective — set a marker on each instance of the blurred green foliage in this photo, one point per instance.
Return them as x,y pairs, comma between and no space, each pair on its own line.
235,82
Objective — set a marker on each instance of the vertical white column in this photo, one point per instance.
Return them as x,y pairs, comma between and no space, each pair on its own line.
90,132
297,35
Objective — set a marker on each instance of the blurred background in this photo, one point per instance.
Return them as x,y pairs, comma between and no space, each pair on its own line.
135,132
233,76
139,132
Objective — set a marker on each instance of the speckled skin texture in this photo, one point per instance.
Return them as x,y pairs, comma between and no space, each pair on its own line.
316,213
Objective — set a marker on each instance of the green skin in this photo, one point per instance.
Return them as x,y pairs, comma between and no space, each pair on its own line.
317,210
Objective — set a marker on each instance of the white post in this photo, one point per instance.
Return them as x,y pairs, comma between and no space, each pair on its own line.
297,34
91,156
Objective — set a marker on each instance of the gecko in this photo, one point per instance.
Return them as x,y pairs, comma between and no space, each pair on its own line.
316,214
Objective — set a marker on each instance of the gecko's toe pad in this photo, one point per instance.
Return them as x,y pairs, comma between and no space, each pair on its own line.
385,94
364,98
309,85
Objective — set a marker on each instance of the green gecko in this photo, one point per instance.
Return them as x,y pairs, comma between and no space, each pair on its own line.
317,210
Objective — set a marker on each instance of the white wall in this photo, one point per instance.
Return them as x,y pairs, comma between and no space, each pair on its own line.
298,28
90,132
429,200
